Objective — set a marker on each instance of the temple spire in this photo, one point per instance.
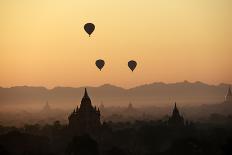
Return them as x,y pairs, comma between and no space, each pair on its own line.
175,108
86,94
229,91
86,99
228,97
175,111
46,107
176,119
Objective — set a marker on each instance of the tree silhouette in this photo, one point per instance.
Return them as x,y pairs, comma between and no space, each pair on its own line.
227,148
116,151
3,151
83,145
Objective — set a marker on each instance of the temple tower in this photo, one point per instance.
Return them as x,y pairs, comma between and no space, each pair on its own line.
228,97
86,119
176,119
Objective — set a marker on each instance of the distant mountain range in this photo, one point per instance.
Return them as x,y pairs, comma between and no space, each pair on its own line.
156,94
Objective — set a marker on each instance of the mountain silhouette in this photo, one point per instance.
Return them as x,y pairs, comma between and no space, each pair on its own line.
156,94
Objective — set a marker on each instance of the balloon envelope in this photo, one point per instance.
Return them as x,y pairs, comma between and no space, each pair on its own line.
100,63
89,28
132,65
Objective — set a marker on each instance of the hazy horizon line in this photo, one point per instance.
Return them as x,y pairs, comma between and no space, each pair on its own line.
114,85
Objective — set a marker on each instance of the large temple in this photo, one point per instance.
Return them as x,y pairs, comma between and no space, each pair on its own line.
86,119
176,119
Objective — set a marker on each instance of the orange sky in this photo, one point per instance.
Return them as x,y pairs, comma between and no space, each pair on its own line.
42,42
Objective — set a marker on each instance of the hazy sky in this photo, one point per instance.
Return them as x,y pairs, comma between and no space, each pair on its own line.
42,42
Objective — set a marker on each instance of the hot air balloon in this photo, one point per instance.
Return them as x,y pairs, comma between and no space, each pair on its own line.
89,28
132,65
100,64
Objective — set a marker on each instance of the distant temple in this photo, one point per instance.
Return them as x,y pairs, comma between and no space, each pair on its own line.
176,119
228,97
85,119
46,110
130,106
47,107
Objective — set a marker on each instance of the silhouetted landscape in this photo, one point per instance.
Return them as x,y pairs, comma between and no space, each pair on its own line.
91,130
20,105
111,77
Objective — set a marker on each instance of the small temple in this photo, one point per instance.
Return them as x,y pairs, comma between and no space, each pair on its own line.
228,97
176,119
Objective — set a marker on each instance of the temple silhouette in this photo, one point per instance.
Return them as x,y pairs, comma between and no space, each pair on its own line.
176,119
228,97
86,119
